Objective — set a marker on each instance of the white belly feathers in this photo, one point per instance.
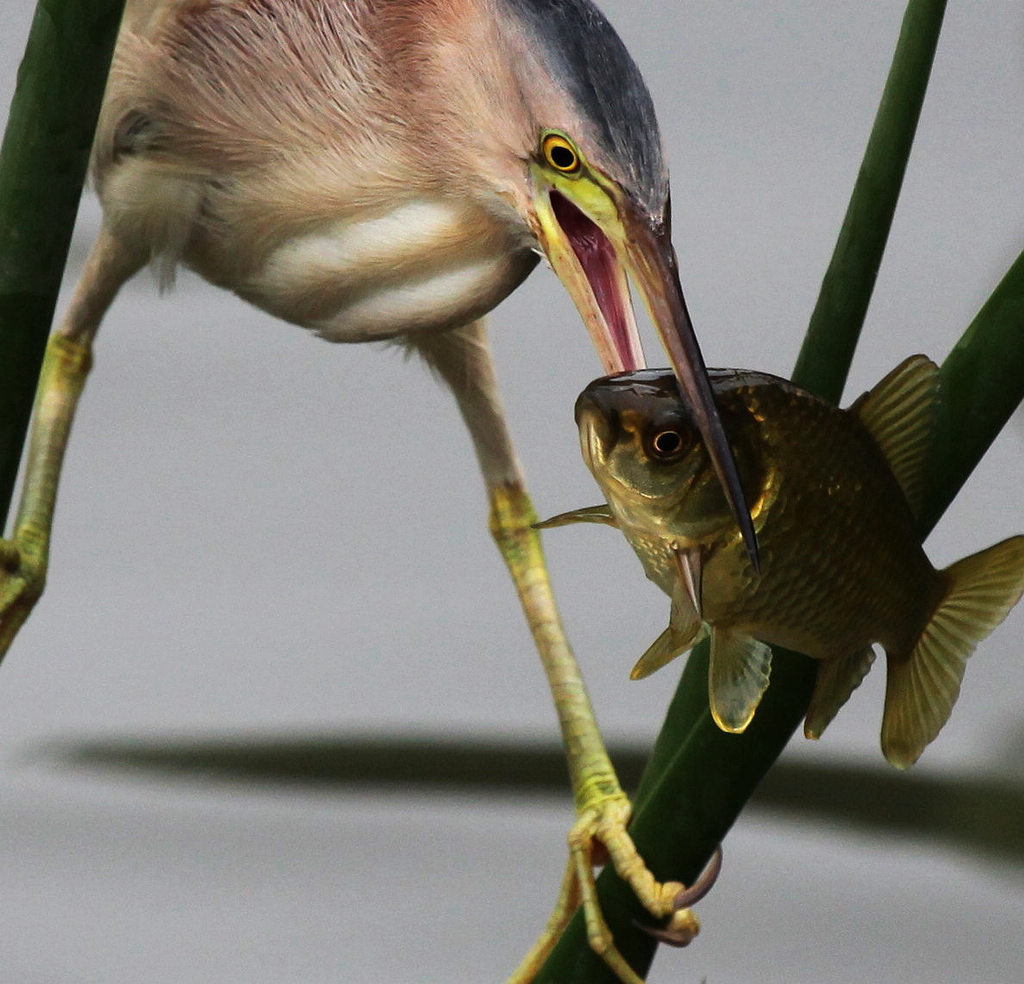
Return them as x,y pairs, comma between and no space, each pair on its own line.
425,264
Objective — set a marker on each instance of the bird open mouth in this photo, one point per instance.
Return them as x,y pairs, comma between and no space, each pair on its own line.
596,255
596,260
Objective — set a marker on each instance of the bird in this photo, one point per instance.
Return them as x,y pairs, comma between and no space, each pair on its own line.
390,170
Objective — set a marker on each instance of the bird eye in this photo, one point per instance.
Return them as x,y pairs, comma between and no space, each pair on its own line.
560,153
667,443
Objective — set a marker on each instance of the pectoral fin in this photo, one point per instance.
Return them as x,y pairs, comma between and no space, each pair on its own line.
737,678
664,649
683,633
590,514
837,679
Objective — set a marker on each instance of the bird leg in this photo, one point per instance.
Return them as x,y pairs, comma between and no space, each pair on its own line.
24,557
462,358
602,808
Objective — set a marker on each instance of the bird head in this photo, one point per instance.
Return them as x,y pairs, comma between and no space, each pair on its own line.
598,203
546,115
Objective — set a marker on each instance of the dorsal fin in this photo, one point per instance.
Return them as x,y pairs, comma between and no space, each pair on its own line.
899,413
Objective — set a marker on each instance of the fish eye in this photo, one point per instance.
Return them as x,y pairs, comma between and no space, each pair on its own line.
559,152
667,444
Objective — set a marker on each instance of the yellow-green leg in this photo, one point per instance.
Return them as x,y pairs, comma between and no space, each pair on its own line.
602,808
24,557
463,359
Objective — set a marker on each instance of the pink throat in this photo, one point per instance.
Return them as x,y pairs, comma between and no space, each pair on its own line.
596,255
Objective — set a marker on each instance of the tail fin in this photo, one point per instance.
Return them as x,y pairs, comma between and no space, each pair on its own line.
922,689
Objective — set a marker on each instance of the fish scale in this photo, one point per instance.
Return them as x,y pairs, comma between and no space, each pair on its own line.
841,563
835,606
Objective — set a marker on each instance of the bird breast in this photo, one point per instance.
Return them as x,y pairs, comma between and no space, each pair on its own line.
425,264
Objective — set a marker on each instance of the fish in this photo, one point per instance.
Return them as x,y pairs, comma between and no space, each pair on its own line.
834,497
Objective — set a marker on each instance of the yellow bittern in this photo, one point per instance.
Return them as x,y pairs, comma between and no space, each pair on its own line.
392,169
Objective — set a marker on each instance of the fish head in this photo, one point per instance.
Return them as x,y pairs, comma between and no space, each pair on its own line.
642,443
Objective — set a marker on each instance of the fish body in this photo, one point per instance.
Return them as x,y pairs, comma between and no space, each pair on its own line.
834,495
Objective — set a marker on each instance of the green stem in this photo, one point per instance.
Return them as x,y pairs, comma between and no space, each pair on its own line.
982,385
43,161
842,305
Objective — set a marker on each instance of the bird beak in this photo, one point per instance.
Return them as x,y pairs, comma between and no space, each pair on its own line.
596,262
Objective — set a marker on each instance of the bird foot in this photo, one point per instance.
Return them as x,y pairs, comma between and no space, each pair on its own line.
600,834
680,929
22,578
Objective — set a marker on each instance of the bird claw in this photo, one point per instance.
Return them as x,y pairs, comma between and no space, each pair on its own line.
599,833
704,883
683,926
673,934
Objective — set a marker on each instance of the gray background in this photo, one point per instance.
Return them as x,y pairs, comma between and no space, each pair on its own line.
259,532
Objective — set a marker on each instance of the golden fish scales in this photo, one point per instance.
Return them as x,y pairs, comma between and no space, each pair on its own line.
842,564
834,495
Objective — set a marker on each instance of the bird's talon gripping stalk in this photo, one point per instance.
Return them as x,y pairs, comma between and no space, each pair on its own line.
602,808
692,895
682,927
676,933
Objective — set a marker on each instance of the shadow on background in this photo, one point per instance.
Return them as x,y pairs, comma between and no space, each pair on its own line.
978,814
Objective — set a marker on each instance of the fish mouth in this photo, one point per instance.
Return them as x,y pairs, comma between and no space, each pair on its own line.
599,430
592,444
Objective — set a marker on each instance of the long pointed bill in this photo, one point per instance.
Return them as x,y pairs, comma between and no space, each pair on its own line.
652,263
596,273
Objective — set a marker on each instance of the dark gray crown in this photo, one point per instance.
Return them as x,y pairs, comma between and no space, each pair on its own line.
582,51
